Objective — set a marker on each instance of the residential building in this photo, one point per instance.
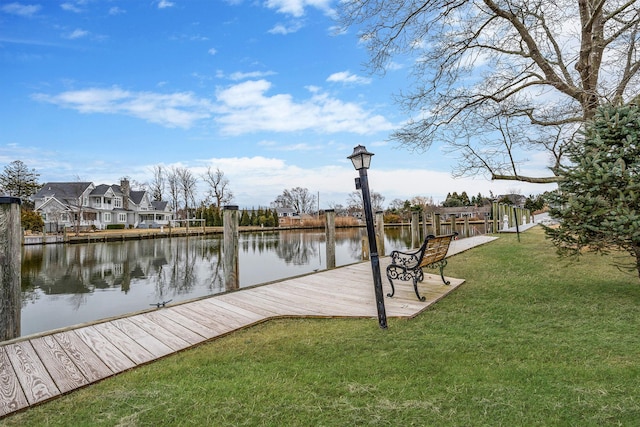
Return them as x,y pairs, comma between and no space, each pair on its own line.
288,216
87,206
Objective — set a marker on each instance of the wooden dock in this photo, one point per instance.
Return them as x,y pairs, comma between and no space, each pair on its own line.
38,368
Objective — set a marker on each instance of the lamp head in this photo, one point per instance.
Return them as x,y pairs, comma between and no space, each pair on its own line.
360,158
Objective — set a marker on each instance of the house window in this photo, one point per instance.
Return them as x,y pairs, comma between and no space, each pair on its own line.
117,202
122,217
107,217
44,216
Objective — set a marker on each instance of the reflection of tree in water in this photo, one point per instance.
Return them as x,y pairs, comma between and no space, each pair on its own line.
353,238
182,272
398,237
297,248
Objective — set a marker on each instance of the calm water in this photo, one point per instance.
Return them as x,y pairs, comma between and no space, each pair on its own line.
64,285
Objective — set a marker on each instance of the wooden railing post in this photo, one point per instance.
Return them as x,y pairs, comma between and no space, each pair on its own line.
230,247
425,231
330,234
380,232
467,229
415,230
436,224
10,267
453,223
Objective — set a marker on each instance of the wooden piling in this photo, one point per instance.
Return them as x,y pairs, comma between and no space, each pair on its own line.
230,247
380,232
10,267
415,229
330,240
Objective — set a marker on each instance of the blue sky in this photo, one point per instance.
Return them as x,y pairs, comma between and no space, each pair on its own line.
268,91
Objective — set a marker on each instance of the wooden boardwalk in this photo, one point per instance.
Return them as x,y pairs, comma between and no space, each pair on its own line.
39,368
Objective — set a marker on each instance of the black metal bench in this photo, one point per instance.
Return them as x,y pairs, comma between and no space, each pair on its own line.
408,265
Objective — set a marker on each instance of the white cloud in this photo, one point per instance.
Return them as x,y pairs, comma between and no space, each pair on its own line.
286,29
71,7
77,34
116,11
181,109
347,77
212,51
238,75
303,146
245,108
25,10
297,7
239,109
163,4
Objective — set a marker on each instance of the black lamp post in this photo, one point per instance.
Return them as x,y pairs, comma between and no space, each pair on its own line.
361,160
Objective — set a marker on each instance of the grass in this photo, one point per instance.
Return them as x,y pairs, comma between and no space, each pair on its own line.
528,340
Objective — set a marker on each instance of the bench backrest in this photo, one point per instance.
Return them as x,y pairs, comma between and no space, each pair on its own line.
436,248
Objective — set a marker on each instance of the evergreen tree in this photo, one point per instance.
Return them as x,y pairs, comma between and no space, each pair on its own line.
244,218
598,201
31,220
18,180
217,218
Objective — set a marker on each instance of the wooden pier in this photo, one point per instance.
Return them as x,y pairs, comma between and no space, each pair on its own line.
38,368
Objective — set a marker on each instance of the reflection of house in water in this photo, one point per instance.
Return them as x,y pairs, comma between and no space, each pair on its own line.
64,269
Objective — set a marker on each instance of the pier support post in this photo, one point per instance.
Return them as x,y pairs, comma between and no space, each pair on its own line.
10,267
415,229
380,232
330,237
230,247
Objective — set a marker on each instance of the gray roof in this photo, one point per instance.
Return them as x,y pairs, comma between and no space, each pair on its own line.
62,190
159,205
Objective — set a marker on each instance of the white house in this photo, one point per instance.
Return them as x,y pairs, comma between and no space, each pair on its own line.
85,205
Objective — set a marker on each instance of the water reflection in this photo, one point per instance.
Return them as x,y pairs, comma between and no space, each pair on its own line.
64,285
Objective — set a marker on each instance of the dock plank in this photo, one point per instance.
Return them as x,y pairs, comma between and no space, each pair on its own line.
36,382
60,366
172,326
127,345
104,349
202,318
289,306
297,303
223,320
234,313
170,333
150,343
251,316
91,366
173,314
253,303
12,398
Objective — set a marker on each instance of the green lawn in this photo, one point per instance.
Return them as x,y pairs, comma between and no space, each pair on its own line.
528,340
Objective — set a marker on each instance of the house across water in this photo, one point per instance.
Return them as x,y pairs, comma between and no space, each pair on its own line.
85,206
